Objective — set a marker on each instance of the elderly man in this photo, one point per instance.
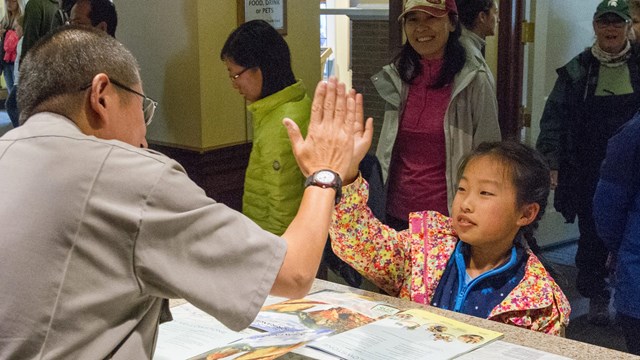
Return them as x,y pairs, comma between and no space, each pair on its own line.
595,93
98,230
100,14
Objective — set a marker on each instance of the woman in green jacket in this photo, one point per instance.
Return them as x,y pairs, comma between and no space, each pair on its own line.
259,65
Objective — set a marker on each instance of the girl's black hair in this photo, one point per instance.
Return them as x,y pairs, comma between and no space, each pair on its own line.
529,172
256,44
408,60
468,10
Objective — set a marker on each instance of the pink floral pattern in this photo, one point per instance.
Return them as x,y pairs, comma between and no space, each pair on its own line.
409,264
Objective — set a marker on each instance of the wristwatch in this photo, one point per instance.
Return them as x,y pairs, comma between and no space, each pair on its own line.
326,179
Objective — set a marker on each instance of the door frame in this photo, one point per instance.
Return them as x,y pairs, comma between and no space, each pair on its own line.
509,79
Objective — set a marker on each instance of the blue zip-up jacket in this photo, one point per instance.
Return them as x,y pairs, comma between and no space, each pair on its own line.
484,292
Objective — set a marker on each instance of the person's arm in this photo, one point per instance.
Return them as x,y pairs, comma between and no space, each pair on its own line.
336,140
485,111
375,250
551,124
618,186
555,113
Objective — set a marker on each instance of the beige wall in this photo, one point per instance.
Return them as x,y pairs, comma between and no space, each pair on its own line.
177,44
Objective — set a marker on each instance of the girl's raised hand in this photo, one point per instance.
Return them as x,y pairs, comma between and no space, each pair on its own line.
337,137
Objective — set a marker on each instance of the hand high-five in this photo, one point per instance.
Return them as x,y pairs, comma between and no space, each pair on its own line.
337,137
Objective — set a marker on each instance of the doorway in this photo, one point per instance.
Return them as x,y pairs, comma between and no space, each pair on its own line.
562,30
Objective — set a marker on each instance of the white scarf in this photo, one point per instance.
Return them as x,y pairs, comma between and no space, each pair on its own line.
611,60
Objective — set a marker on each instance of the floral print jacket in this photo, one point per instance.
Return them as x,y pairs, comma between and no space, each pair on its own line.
410,263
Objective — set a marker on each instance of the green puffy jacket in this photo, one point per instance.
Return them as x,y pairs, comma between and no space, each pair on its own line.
273,184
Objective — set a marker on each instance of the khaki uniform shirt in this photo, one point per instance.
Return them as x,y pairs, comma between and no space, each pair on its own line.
96,233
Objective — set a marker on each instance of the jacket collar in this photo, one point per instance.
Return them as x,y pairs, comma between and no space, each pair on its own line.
295,92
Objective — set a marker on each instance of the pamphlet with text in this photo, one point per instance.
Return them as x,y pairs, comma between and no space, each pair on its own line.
408,335
326,309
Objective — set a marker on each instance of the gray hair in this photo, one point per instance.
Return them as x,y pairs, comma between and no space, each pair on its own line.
61,64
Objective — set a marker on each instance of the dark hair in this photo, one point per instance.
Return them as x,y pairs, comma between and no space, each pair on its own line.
529,172
257,44
66,6
104,10
65,60
468,10
408,60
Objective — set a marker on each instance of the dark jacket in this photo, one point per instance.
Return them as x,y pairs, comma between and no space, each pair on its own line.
616,211
39,19
576,125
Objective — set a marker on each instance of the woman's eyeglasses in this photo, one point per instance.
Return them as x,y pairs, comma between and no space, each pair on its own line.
236,76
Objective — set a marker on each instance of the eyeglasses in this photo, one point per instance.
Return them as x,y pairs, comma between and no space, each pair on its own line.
617,23
236,76
148,104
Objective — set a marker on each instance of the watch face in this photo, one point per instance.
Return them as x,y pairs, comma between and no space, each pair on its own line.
325,177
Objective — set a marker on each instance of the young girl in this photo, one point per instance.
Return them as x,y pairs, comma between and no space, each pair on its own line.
477,261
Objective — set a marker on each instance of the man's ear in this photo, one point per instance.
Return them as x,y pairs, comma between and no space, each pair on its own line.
98,101
482,18
102,26
529,213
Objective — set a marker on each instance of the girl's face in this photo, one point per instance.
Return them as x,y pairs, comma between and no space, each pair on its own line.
427,34
12,5
484,210
611,33
248,81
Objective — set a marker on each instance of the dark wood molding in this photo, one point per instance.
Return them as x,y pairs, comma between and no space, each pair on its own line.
395,28
219,172
510,67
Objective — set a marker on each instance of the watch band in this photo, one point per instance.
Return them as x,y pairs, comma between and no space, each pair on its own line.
315,179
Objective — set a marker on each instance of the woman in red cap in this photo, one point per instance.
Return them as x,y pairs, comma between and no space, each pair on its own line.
440,104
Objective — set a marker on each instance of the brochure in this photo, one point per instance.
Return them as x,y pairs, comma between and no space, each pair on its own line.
192,332
408,335
326,309
329,323
264,346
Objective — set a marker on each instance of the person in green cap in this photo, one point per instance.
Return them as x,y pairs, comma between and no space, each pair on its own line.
595,93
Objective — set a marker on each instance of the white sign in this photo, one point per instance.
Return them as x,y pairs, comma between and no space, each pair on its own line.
271,11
